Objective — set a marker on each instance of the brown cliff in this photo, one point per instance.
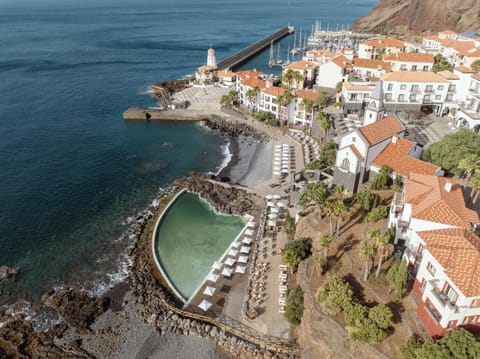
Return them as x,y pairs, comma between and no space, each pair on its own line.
420,16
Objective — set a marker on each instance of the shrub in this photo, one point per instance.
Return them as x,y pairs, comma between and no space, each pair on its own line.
294,305
334,295
296,251
376,214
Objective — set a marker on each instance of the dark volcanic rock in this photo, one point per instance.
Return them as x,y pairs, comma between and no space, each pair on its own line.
234,128
8,272
76,307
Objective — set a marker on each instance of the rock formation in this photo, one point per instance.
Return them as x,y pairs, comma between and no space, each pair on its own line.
8,272
420,16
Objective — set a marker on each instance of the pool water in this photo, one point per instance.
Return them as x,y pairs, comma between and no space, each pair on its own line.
191,236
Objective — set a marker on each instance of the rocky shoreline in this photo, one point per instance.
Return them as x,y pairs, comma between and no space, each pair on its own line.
77,336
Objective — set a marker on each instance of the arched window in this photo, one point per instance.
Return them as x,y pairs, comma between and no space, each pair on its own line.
345,164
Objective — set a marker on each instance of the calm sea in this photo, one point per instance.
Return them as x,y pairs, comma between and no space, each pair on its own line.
71,171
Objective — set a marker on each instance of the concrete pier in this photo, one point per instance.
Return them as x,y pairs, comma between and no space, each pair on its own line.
247,53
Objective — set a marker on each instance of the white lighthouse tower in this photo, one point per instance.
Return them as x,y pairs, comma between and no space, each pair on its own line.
211,59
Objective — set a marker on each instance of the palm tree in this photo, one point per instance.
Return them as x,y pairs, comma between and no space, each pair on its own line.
229,99
475,183
340,211
328,208
468,165
307,105
367,252
384,250
325,243
252,96
291,77
324,124
284,102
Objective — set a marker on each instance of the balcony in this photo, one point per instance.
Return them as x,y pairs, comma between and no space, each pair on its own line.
443,299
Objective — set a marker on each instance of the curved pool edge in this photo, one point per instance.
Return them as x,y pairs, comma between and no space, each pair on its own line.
154,252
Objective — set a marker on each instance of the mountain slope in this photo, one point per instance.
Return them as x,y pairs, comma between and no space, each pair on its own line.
401,16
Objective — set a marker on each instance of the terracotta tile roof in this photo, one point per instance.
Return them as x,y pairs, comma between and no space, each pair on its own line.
384,43
448,32
311,95
371,64
410,57
448,75
226,73
395,155
356,152
476,77
473,53
458,252
342,61
367,88
413,76
274,91
302,65
432,202
464,69
253,82
205,68
382,129
250,73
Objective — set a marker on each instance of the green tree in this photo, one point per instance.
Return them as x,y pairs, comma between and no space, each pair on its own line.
340,211
295,251
452,148
307,105
384,250
468,165
294,305
366,199
381,179
368,325
323,99
367,252
291,78
380,54
252,95
376,214
475,66
315,193
289,226
324,124
441,64
334,295
475,183
338,87
325,242
397,277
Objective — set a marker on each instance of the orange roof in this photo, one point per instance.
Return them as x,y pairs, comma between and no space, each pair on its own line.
413,76
476,77
448,75
372,64
382,129
302,65
356,151
250,73
384,43
395,156
274,91
226,73
464,69
366,88
410,57
341,61
432,202
205,68
458,252
253,82
448,32
311,95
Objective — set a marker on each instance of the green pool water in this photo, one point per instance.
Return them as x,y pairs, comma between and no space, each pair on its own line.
190,237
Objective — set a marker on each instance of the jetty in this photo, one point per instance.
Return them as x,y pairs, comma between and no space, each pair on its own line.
242,56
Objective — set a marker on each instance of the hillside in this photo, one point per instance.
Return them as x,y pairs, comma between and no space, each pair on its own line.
419,16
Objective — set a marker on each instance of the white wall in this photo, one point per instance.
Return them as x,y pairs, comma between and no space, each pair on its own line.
329,75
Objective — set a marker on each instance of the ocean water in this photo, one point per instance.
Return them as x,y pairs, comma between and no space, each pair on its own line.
71,170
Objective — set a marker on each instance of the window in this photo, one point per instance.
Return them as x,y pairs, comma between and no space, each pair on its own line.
390,87
451,88
414,67
451,294
345,164
438,97
413,98
440,88
353,139
388,97
431,268
403,87
274,108
451,324
423,285
475,303
429,88
414,88
425,68
403,67
267,107
401,98
426,98
449,98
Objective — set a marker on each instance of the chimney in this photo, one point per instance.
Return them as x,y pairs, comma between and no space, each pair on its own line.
394,139
269,82
448,186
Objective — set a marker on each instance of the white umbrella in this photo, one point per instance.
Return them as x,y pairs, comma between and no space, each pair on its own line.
232,252
276,168
269,196
271,223
281,204
212,277
248,232
243,259
276,196
245,250
278,146
251,224
236,244
209,291
274,210
276,173
247,240
205,304
270,204
284,170
227,272
272,215
240,269
229,261
217,265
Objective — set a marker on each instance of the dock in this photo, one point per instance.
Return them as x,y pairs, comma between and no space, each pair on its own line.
242,56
